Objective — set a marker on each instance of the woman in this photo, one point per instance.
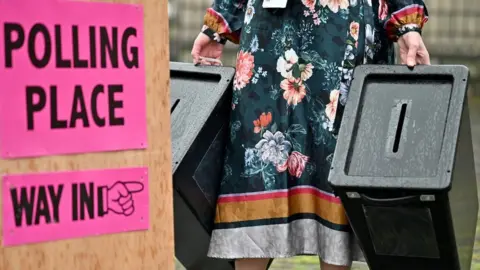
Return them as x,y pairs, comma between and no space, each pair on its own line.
293,74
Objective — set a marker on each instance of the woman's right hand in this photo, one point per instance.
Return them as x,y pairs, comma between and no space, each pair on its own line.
204,47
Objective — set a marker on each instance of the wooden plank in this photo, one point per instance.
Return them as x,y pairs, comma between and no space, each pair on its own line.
152,249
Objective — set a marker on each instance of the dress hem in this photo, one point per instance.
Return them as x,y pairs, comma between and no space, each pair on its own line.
282,256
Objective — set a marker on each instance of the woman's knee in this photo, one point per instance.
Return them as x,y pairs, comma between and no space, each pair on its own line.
251,264
326,266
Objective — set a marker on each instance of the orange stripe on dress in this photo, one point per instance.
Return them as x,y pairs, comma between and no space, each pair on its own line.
277,205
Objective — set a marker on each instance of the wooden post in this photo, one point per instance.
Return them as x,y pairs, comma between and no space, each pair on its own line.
150,249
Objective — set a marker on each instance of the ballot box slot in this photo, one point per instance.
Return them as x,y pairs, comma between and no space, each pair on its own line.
398,134
174,104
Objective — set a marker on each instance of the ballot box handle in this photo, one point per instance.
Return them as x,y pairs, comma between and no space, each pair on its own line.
390,201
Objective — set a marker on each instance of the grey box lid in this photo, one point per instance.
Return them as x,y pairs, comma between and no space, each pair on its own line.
191,106
400,127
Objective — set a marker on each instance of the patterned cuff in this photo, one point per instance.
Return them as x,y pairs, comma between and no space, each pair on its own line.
213,35
408,28
408,19
218,24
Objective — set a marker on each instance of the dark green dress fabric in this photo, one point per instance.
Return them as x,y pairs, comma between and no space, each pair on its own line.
292,79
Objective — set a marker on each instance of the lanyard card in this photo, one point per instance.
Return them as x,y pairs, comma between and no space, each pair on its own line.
274,3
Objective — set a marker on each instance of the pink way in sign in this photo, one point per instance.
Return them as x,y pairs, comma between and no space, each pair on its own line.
73,77
54,206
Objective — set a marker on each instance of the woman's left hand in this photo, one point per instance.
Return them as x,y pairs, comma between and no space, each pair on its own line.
413,50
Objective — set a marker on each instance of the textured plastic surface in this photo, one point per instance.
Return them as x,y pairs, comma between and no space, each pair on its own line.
200,102
400,127
402,231
404,167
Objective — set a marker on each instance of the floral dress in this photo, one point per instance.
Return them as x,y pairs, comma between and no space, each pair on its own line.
292,78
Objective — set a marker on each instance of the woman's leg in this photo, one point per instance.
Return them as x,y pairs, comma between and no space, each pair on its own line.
251,264
325,266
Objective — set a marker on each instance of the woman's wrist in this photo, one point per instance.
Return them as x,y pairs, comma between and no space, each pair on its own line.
404,29
213,35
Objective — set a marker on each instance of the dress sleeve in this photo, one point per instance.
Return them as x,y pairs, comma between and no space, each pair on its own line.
225,18
403,16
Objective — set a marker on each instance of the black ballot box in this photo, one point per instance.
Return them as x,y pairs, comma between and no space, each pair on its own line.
200,100
404,167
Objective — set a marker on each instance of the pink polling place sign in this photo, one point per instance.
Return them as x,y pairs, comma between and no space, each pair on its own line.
53,206
73,77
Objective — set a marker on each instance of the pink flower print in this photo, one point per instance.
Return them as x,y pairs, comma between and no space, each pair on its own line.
244,70
331,109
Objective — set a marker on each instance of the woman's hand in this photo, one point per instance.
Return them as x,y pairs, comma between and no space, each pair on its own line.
204,47
413,50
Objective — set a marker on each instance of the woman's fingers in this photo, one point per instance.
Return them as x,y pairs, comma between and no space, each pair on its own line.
412,56
412,53
195,55
199,44
423,60
413,50
212,61
196,49
403,50
424,56
204,62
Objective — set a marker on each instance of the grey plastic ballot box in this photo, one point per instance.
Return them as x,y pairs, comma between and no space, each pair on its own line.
404,167
200,100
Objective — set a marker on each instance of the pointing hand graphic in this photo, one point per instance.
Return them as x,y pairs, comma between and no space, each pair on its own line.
118,197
